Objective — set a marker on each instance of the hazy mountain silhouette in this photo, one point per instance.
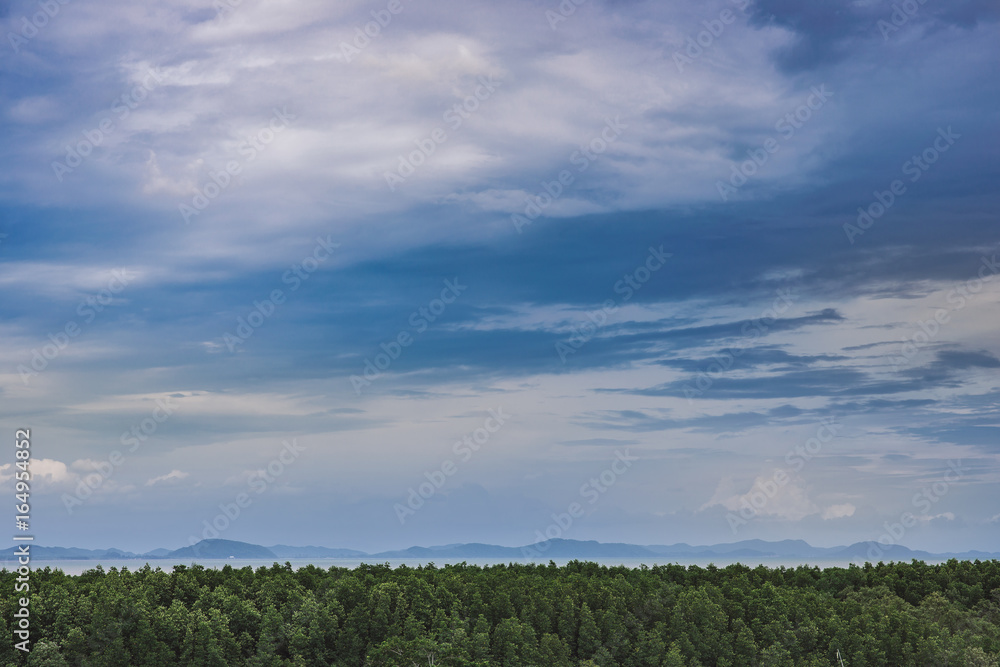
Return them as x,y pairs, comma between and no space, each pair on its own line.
747,549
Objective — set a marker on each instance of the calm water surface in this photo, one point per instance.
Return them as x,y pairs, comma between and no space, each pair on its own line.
79,566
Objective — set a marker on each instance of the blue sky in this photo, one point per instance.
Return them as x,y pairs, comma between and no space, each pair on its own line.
720,271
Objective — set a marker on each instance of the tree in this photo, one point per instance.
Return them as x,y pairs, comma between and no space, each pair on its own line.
201,648
513,644
589,637
46,654
674,657
553,651
514,615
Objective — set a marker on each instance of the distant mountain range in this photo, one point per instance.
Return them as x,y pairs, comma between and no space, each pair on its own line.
749,550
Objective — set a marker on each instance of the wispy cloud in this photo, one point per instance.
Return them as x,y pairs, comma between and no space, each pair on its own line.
176,105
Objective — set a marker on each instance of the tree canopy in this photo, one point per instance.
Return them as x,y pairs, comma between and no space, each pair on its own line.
580,614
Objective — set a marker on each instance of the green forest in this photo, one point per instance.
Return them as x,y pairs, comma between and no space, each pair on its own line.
580,615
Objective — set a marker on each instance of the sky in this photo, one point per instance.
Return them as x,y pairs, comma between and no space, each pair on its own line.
392,273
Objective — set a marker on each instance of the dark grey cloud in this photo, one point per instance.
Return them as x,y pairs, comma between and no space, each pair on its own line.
959,360
762,355
822,29
640,421
828,31
985,436
826,382
882,404
599,442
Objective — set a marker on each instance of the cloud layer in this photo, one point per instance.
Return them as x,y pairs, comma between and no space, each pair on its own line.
694,232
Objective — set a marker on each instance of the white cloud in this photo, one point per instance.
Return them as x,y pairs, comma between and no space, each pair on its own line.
788,501
839,511
183,186
50,471
356,118
169,478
